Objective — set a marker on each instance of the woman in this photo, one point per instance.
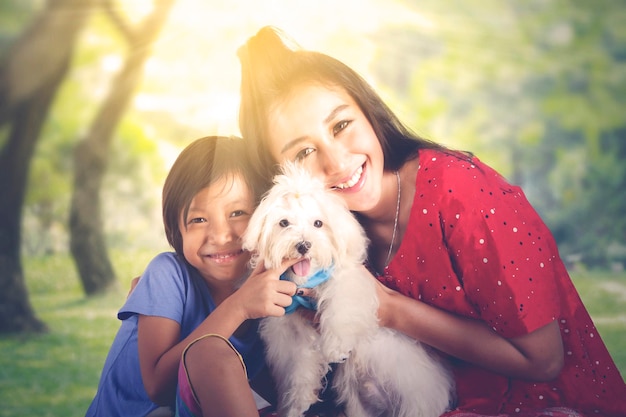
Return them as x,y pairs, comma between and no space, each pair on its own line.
469,266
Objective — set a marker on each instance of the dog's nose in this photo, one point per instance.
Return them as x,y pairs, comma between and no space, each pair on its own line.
303,247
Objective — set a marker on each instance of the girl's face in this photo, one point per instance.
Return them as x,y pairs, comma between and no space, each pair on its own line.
211,232
325,129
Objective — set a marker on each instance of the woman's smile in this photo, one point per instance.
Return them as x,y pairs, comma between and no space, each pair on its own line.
334,140
354,179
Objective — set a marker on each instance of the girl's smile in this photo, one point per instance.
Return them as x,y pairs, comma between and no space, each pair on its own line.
225,257
217,217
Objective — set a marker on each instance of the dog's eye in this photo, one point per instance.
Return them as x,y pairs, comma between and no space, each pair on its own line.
318,223
284,223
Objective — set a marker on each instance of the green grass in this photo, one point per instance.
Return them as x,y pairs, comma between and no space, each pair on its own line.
56,374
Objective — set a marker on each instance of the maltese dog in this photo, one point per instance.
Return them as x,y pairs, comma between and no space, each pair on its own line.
380,371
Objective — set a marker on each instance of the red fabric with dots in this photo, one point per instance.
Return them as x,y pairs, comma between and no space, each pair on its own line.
475,246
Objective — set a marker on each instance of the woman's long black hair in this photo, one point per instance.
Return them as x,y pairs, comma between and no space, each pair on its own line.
272,65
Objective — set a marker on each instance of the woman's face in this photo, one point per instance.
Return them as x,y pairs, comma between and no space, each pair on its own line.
212,230
323,128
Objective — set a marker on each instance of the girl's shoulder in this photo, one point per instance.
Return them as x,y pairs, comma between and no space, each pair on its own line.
165,272
168,279
168,269
165,258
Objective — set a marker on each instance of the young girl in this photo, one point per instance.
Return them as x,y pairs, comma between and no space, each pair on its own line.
468,265
197,293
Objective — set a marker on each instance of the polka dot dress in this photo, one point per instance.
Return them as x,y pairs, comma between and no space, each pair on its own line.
475,246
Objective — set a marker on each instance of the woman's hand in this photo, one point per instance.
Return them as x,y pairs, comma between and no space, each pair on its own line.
133,284
536,356
386,298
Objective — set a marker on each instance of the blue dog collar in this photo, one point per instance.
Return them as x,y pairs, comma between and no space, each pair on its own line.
320,277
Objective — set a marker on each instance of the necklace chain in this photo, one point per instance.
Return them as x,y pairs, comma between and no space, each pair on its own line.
395,221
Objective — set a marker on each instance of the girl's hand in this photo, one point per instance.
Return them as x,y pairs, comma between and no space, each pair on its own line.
264,294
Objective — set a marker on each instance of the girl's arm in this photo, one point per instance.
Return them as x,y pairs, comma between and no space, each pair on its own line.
160,347
535,356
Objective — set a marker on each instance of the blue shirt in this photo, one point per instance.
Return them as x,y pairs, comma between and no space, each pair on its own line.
171,289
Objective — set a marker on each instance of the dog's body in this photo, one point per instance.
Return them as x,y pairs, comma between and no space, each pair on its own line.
381,372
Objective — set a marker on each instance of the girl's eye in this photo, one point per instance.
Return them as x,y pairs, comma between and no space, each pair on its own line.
197,220
237,213
283,223
304,153
340,126
318,223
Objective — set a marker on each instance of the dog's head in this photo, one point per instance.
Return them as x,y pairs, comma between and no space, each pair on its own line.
300,218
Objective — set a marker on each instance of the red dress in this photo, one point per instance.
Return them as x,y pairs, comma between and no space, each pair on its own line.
474,246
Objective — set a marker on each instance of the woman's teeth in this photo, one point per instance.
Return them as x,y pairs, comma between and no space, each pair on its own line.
350,183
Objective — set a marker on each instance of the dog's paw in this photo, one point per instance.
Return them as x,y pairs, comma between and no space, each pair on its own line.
337,356
342,358
336,349
299,408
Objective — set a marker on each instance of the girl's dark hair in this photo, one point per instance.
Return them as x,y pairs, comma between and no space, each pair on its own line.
272,65
199,165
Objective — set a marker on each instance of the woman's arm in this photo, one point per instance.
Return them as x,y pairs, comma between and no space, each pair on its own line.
160,347
535,356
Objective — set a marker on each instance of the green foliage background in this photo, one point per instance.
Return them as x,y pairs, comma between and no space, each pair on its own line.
535,88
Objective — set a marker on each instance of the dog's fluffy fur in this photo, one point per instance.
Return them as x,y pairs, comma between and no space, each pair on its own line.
381,372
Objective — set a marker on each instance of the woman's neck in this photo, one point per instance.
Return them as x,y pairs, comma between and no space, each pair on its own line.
383,212
385,225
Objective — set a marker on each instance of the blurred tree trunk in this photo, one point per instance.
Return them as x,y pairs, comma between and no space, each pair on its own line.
87,240
30,75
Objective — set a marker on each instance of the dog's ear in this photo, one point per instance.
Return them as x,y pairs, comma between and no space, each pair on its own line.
260,227
252,236
348,234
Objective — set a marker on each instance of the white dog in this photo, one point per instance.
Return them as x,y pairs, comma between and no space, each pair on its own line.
381,372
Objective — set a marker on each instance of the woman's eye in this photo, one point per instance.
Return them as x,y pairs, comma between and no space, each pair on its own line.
304,153
340,126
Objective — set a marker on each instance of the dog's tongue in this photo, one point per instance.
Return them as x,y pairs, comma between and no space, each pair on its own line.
302,268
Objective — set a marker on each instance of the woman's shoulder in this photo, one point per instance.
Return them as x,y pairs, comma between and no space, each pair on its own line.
445,160
451,172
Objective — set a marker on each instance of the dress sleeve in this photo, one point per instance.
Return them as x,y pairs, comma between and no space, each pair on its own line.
160,292
502,252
